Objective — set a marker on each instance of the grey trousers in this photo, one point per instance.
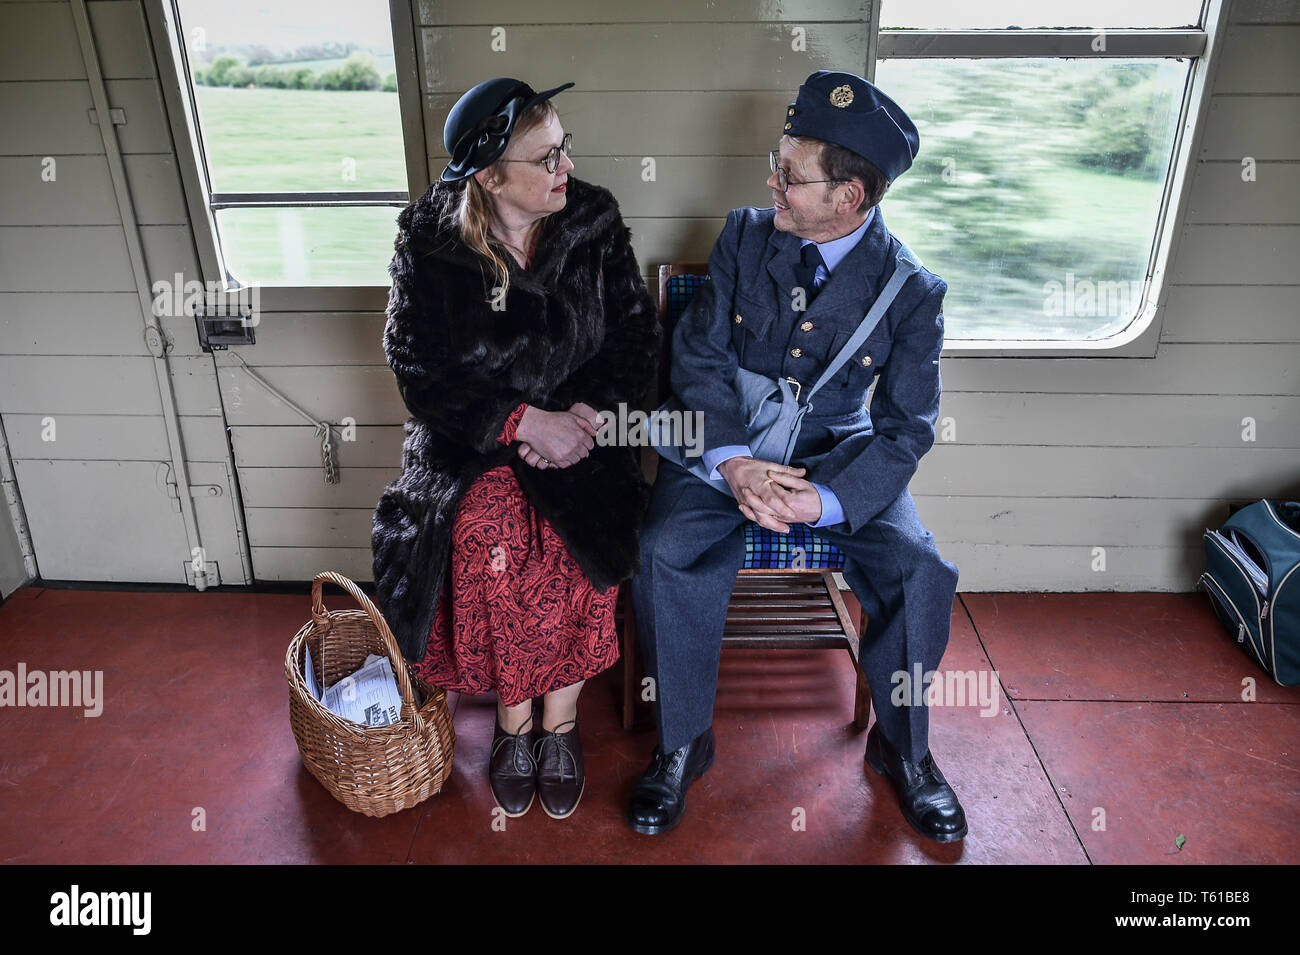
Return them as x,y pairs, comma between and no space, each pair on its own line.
693,544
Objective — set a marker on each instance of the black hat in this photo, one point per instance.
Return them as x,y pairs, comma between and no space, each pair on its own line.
849,111
479,125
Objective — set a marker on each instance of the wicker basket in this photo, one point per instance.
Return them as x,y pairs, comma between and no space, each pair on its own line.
376,770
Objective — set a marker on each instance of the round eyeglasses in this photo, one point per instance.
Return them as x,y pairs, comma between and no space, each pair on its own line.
552,159
783,174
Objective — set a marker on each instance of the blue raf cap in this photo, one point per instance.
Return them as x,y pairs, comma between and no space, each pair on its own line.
849,111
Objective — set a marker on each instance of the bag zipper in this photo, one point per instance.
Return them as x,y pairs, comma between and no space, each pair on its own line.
1250,584
1277,592
1208,582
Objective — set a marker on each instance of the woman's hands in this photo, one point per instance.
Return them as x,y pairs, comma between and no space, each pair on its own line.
557,439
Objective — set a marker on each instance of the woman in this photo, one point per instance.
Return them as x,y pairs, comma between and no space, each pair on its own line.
517,314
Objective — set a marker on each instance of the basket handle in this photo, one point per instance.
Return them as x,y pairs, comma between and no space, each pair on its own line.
321,617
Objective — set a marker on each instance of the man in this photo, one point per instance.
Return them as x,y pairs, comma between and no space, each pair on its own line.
786,288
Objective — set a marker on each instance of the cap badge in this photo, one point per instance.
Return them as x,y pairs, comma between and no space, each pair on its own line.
842,96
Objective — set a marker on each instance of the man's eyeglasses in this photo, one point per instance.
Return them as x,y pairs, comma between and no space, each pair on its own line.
552,159
783,174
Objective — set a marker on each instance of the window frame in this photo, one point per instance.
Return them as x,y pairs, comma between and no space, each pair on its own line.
1200,44
1139,338
203,202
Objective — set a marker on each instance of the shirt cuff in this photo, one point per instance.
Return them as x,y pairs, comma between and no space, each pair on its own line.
716,456
832,511
507,435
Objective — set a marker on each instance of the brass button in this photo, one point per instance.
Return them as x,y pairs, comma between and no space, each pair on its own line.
787,125
866,360
806,327
790,111
796,352
737,319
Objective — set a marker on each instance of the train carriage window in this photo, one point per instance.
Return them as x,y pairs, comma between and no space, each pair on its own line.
1049,135
300,135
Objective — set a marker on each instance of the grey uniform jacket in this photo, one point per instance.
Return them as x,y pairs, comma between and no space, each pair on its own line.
745,315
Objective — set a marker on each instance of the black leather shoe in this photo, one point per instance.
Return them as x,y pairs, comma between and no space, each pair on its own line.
512,771
561,777
927,801
659,798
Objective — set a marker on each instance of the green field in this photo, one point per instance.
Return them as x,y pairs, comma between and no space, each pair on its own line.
270,140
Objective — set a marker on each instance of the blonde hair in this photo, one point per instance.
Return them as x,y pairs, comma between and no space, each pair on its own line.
473,213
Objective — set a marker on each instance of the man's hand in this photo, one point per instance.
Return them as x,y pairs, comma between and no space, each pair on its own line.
766,502
566,433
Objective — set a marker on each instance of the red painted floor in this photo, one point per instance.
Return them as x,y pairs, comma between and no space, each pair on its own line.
1118,725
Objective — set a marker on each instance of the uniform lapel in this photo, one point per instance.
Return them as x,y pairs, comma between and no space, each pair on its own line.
856,281
782,256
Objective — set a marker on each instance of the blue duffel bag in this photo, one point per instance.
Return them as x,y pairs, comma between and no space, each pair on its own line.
1253,578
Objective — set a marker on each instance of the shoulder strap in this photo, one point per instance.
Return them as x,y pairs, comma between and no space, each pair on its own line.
903,269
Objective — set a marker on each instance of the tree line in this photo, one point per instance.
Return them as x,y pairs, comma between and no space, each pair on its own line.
359,71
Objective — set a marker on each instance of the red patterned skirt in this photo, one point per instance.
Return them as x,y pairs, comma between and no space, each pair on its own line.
517,614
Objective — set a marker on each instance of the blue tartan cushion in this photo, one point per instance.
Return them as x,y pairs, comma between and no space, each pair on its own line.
770,550
681,289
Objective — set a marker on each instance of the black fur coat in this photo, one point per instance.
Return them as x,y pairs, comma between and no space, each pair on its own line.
577,326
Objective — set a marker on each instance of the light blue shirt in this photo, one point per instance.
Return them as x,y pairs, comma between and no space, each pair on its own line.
833,253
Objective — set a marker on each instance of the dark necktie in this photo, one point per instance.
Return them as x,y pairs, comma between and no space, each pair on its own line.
806,271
